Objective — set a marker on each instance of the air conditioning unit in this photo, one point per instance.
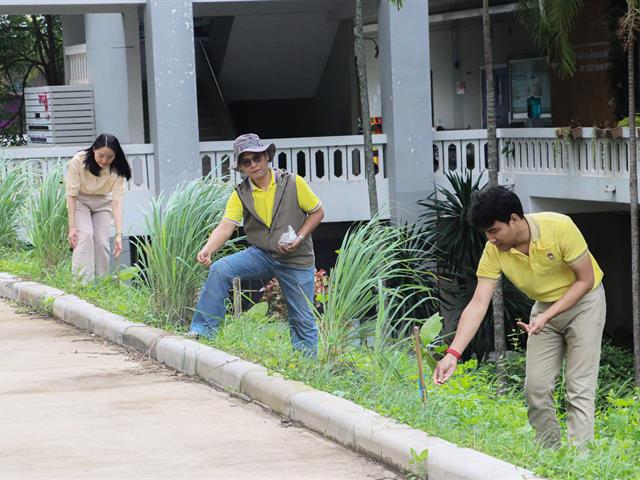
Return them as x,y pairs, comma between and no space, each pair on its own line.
57,115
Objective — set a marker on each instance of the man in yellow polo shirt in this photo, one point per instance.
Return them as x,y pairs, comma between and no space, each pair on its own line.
271,204
545,256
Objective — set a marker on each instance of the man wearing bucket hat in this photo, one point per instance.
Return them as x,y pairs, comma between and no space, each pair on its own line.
279,212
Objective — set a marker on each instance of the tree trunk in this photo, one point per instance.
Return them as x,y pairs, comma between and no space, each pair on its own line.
633,206
492,152
54,76
361,66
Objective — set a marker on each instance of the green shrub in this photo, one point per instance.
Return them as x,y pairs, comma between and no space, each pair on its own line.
371,255
13,195
178,227
47,220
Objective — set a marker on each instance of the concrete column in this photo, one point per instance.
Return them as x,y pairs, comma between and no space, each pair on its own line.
72,34
107,71
171,89
134,74
406,104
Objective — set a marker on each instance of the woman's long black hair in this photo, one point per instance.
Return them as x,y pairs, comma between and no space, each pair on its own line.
119,164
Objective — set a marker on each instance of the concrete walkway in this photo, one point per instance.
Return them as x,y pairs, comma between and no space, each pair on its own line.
74,406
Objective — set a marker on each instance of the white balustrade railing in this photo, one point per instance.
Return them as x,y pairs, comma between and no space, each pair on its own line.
76,56
41,160
334,166
316,159
533,151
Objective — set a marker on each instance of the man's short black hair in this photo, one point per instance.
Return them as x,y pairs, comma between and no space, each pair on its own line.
493,204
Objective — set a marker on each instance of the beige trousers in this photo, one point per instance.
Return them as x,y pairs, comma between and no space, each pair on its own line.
577,335
93,222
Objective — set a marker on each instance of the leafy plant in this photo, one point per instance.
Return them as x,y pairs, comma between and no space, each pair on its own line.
46,220
417,462
13,195
178,226
371,255
625,121
431,340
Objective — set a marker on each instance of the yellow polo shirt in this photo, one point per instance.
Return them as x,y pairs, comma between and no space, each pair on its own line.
543,275
263,201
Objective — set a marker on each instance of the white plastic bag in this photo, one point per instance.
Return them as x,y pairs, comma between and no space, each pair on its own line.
288,237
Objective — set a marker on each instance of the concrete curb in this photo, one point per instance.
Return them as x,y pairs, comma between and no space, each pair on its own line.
339,419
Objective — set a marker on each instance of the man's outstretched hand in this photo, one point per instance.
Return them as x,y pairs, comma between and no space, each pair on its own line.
444,369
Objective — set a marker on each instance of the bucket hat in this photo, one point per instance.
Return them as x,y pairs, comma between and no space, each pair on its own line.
250,142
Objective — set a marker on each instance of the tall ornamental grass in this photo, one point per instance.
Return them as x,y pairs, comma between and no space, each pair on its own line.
46,220
178,227
371,256
14,191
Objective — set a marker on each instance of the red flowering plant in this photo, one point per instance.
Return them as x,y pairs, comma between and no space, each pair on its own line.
272,294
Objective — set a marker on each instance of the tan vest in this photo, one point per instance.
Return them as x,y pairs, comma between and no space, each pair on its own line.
286,211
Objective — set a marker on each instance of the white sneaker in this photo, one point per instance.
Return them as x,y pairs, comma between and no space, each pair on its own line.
192,335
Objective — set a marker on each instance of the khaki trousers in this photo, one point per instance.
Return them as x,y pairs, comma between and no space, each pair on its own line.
577,335
93,222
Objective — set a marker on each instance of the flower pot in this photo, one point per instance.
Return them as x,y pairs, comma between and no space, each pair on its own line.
615,132
576,132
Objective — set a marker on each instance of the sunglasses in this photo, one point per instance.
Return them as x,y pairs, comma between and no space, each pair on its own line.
246,160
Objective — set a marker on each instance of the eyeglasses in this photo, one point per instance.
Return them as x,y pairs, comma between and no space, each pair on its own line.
246,160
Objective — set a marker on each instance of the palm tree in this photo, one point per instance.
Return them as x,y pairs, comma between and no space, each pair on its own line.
628,27
550,23
361,68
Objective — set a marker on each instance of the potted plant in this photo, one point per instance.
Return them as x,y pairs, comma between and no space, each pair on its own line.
563,137
625,123
575,129
599,131
614,130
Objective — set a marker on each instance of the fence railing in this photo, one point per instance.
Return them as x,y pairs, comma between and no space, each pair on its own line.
533,150
77,63
316,159
42,159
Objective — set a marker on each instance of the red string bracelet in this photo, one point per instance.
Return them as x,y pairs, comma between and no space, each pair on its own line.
454,352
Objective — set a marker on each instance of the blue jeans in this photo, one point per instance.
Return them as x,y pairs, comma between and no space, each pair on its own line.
255,264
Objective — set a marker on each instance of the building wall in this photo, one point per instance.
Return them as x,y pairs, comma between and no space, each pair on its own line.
457,55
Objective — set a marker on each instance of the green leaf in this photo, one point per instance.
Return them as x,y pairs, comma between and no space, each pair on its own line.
258,311
431,329
128,273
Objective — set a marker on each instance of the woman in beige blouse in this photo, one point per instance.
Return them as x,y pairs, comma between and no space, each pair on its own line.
95,183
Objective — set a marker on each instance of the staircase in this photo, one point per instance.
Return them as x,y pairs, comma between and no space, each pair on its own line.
208,124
